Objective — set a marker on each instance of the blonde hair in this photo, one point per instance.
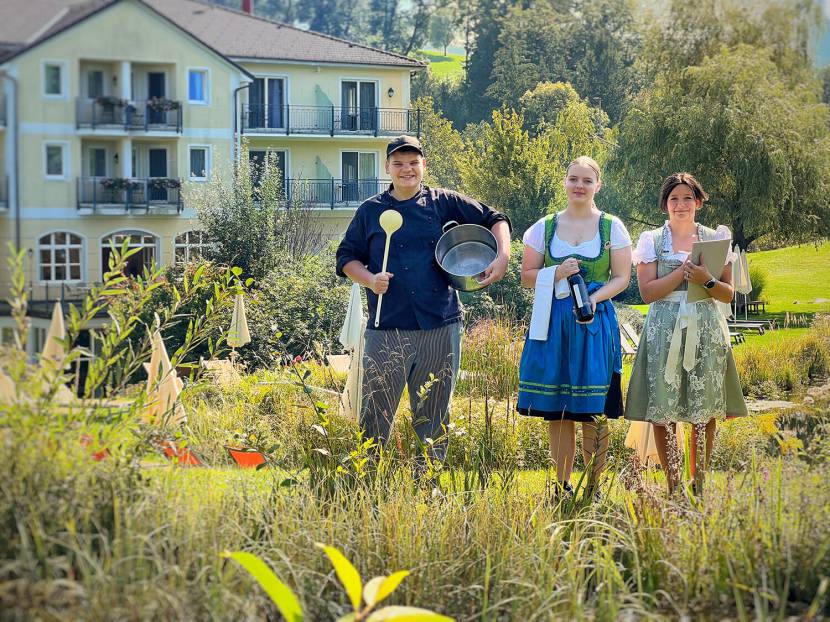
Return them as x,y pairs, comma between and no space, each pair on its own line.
585,161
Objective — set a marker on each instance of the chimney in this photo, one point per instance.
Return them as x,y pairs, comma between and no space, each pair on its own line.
248,6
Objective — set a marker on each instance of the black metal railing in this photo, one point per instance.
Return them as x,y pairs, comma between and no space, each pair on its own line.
158,115
331,120
4,192
130,193
333,192
47,291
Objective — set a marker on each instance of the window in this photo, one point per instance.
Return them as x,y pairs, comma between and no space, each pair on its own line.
97,162
95,83
53,74
189,246
135,264
59,257
199,163
197,86
54,155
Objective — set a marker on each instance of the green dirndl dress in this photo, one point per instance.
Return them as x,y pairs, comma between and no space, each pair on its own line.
711,388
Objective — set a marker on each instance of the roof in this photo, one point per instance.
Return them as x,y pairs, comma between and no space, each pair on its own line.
230,33
240,35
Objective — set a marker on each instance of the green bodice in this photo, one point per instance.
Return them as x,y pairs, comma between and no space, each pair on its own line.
593,269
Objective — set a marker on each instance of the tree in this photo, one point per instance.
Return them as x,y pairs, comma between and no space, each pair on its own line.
684,37
593,45
511,171
442,28
443,146
249,221
759,145
543,104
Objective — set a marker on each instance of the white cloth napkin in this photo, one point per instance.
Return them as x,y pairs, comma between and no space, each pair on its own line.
542,300
350,333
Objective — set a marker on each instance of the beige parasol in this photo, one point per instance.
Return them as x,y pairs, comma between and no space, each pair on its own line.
163,388
640,438
238,333
54,353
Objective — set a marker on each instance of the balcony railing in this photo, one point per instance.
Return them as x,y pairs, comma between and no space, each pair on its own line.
333,192
152,115
131,194
58,290
331,120
4,193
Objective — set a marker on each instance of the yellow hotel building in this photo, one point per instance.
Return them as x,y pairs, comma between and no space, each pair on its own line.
108,106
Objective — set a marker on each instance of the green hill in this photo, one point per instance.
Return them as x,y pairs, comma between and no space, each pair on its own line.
797,278
449,67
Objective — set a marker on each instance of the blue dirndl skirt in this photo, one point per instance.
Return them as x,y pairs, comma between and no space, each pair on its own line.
575,374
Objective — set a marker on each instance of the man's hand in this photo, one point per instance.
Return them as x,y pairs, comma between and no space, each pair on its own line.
380,282
495,271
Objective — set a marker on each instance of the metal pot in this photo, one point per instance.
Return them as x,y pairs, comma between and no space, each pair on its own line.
463,252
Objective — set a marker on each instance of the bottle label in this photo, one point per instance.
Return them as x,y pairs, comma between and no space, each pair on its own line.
577,297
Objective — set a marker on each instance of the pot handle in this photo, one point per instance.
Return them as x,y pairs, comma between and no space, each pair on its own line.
449,225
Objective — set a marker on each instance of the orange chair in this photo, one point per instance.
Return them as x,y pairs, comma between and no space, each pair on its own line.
181,456
247,458
87,441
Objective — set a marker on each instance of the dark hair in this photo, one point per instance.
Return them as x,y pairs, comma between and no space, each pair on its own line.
680,179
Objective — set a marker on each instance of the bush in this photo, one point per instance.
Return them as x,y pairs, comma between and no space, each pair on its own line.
298,309
758,276
631,294
506,300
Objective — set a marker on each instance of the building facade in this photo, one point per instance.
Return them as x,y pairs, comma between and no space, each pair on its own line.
111,108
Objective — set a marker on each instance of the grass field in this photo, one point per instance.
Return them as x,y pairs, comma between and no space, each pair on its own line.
450,67
797,277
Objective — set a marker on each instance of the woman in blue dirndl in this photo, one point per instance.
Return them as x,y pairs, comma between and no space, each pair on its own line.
570,371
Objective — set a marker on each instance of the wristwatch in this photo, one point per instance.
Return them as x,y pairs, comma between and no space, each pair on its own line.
710,283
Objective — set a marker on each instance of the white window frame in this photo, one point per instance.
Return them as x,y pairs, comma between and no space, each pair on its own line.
187,246
206,72
64,69
64,145
67,247
208,162
358,152
156,245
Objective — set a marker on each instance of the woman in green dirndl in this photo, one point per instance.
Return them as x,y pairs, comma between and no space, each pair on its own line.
682,375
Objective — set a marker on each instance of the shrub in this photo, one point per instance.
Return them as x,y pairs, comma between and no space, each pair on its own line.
758,276
297,309
506,300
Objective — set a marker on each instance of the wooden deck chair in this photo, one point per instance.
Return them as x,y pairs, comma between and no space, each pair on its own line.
629,346
181,456
632,334
760,327
247,458
736,337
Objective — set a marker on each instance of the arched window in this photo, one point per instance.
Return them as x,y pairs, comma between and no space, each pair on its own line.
189,246
60,256
144,258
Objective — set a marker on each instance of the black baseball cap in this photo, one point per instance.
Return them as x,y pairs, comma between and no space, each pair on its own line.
403,142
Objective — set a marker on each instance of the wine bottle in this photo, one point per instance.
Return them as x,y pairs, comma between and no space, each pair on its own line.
579,295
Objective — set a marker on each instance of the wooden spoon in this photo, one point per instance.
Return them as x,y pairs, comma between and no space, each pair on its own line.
390,221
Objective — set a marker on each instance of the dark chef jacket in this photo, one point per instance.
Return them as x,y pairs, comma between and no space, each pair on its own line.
419,296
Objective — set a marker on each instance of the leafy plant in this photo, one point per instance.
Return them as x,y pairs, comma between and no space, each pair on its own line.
364,599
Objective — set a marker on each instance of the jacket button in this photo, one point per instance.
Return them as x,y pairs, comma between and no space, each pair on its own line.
406,268
412,292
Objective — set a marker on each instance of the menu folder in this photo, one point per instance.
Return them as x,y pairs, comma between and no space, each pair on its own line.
712,254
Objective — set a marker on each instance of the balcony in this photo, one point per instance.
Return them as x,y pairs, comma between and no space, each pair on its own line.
329,120
333,192
111,113
158,194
